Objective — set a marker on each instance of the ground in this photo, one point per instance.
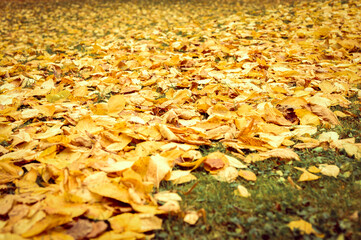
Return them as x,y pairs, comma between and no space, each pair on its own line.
180,119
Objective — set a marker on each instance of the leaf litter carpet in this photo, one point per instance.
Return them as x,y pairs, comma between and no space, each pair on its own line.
100,101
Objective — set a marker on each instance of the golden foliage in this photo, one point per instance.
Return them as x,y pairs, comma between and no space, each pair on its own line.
99,100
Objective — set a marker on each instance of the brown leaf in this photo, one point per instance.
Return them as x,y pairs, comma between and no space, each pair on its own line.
324,113
215,161
80,229
248,175
283,153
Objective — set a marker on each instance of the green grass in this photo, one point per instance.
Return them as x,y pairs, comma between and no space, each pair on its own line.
327,203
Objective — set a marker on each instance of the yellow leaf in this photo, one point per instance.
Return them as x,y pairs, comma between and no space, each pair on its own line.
328,137
191,217
248,175
307,117
54,97
47,110
9,172
307,176
166,132
324,113
53,235
159,169
329,170
242,191
18,155
166,196
353,150
7,236
149,222
51,132
117,166
57,204
98,211
87,124
171,207
228,174
6,204
283,153
271,139
304,227
5,131
46,223
116,104
314,169
180,176
100,184
121,236
234,162
126,222
50,152
254,157
148,209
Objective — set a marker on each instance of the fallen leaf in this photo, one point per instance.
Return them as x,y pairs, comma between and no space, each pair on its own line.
353,150
234,162
248,175
329,170
328,137
171,206
215,161
166,196
6,204
180,176
228,174
293,184
97,229
242,191
191,217
304,227
80,229
283,153
306,176
126,222
307,117
314,169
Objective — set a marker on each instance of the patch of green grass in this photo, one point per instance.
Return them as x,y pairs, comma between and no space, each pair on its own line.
351,125
331,205
215,147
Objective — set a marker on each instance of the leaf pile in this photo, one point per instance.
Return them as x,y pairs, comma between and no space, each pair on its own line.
100,100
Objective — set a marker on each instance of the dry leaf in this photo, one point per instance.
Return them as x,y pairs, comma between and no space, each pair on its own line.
228,174
179,177
167,196
306,176
234,162
293,184
283,153
242,191
324,113
97,228
80,229
215,161
353,150
328,137
91,123
248,175
329,170
171,206
314,169
304,227
191,217
6,204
